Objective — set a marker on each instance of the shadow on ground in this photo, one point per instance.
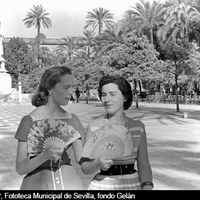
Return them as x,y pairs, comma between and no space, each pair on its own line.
175,164
161,115
8,147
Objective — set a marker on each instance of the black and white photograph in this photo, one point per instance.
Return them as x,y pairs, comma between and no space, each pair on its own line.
99,95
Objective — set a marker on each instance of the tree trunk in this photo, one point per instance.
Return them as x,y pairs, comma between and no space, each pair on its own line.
87,94
88,52
136,100
100,27
38,44
176,90
151,35
135,81
87,99
38,51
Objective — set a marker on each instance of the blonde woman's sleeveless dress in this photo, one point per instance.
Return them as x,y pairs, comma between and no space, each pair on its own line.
39,134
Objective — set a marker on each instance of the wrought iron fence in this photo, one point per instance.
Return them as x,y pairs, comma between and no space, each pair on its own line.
187,99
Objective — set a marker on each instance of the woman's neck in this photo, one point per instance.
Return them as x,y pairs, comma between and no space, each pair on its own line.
118,118
52,109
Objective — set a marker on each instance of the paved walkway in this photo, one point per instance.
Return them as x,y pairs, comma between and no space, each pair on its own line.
173,142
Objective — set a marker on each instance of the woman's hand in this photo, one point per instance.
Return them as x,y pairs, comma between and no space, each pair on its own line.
105,163
54,152
147,187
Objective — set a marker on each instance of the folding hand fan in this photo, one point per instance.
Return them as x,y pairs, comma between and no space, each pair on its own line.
62,139
111,140
41,136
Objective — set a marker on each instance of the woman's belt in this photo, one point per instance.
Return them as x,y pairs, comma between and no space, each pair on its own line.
119,170
47,166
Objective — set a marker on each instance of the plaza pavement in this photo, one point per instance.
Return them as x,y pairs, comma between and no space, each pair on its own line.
173,142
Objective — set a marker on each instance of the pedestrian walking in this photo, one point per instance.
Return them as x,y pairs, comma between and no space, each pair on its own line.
115,142
77,93
46,136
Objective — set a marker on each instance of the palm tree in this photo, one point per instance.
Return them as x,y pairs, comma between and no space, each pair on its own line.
99,17
178,22
111,37
128,23
69,48
37,17
147,16
88,41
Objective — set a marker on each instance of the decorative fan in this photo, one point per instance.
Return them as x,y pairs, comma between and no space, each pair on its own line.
59,139
111,140
44,133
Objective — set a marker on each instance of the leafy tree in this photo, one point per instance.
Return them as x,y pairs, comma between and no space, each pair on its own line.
181,58
48,58
136,59
20,59
31,81
87,71
98,17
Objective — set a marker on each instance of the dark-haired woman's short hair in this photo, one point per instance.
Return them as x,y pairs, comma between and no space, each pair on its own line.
123,85
50,78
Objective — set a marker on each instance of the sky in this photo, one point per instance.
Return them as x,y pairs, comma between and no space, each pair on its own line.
68,16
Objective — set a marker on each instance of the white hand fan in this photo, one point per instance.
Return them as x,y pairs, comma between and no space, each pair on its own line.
61,140
111,140
54,141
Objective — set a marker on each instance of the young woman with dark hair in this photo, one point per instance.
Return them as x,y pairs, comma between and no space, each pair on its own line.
47,136
114,143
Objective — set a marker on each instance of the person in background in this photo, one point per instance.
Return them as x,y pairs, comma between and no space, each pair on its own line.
122,173
78,94
48,135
